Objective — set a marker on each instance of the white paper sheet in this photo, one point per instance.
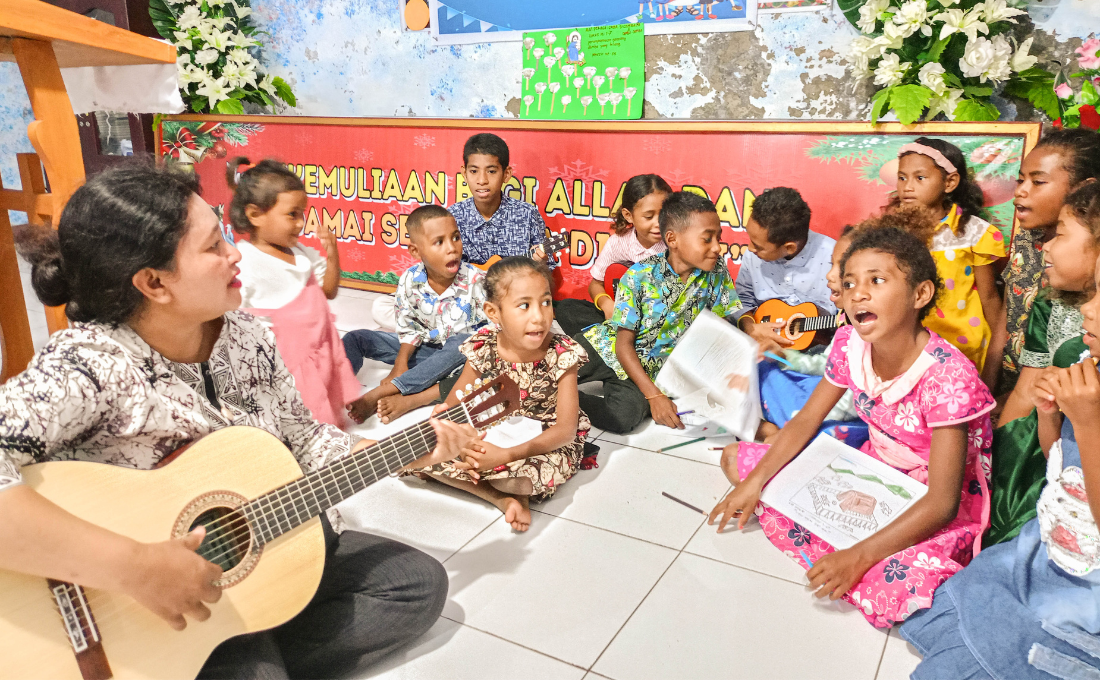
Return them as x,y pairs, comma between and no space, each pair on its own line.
712,371
840,494
143,88
513,431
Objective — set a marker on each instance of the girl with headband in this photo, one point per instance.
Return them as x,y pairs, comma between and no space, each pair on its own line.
932,174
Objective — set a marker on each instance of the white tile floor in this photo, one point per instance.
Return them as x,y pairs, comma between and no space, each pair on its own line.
613,580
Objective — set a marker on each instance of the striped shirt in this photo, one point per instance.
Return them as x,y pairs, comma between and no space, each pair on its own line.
625,249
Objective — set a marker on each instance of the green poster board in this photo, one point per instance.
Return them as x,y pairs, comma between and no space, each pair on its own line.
595,73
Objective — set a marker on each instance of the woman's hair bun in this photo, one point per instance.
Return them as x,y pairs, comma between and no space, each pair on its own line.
40,247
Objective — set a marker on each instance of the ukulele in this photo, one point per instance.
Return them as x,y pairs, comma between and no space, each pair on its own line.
262,528
554,244
801,321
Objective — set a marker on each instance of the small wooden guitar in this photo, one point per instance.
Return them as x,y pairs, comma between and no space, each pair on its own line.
262,527
554,244
801,321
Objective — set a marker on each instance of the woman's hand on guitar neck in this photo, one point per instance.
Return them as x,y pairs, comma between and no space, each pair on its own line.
171,580
450,438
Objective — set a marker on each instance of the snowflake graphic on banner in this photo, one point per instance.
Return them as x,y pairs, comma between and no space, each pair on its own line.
303,138
424,141
578,169
402,261
678,178
657,145
364,155
576,277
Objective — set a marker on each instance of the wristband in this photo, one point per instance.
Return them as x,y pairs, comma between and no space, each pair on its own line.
597,300
660,394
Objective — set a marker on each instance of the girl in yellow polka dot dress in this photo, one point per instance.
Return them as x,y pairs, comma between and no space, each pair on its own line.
932,174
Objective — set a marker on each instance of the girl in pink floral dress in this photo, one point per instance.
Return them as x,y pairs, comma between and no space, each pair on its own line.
927,411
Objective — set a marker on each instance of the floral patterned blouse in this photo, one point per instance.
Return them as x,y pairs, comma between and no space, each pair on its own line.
652,301
101,394
1023,279
538,381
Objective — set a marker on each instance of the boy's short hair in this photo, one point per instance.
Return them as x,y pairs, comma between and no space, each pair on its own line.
421,215
487,144
679,207
783,214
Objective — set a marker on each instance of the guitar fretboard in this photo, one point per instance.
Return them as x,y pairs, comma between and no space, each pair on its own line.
289,506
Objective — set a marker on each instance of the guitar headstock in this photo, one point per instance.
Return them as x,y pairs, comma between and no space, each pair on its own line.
555,243
488,401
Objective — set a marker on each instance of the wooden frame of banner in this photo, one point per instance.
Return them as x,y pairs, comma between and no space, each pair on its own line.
1029,130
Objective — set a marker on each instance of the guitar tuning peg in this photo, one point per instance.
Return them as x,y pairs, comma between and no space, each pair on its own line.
477,382
469,387
458,394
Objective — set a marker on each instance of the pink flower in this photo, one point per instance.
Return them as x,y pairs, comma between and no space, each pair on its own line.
1063,91
1086,53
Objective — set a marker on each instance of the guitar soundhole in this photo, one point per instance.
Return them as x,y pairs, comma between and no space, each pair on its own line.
228,538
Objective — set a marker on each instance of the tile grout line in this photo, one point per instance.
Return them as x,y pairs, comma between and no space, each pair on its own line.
513,642
460,548
610,531
882,656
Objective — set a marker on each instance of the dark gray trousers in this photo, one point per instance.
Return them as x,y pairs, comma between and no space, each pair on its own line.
375,596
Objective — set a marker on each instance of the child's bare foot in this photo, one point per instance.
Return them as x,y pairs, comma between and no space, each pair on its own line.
397,405
363,407
516,511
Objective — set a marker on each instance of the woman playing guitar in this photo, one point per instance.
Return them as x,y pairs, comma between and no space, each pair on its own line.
157,357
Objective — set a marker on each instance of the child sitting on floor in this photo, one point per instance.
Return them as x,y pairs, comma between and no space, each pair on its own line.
438,305
521,344
1029,609
636,236
927,411
286,285
1053,338
785,260
657,300
784,390
932,174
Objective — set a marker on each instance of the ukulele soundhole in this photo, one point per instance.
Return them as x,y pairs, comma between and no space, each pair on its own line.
229,541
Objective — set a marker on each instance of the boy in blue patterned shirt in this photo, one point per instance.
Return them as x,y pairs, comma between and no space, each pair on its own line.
492,223
657,300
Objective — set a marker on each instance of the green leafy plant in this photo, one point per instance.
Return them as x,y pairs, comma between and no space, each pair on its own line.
214,40
943,56
1078,109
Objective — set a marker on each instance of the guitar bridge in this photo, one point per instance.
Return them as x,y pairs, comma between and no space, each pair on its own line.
80,626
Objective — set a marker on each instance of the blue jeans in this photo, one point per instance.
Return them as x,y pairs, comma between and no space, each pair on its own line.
427,366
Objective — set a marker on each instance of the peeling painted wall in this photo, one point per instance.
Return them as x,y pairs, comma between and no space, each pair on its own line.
349,58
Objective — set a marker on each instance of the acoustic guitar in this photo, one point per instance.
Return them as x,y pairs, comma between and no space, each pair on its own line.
801,322
554,244
263,528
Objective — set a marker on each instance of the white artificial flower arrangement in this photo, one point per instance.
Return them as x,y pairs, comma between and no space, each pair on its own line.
217,71
944,56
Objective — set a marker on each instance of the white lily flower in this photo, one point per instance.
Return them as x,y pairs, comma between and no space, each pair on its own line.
218,40
215,3
1021,60
892,36
267,84
948,3
183,39
868,14
190,17
931,76
203,57
890,70
214,90
211,23
998,10
182,59
242,11
969,23
858,56
241,40
945,103
912,17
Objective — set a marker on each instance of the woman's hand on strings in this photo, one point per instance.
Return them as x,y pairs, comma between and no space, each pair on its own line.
172,580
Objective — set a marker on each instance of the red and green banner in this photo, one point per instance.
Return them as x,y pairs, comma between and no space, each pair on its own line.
364,176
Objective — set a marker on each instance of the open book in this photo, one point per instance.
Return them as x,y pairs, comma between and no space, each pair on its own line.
840,494
712,371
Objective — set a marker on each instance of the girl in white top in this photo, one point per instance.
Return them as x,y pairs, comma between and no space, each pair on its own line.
635,236
288,285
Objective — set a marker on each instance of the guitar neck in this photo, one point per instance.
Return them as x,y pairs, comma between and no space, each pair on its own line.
289,506
818,323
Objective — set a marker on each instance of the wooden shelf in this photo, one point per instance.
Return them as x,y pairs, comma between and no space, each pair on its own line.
77,40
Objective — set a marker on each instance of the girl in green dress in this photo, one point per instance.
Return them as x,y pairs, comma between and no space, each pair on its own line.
1052,338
